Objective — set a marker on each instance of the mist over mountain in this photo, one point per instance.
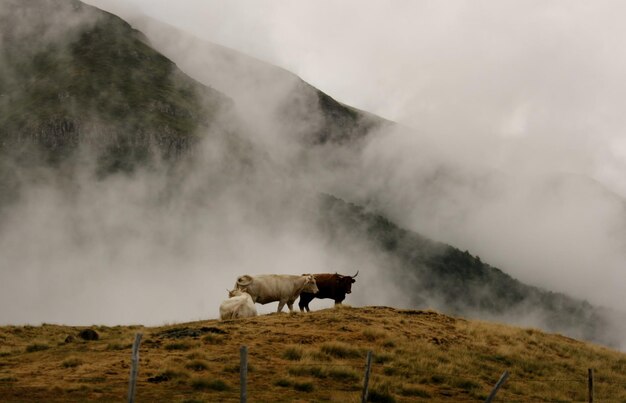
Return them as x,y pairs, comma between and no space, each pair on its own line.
135,190
267,97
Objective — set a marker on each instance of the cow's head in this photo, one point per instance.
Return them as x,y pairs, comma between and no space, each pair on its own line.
310,285
344,283
235,293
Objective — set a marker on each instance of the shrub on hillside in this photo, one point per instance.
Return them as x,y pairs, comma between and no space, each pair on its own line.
204,384
31,348
340,350
71,362
293,353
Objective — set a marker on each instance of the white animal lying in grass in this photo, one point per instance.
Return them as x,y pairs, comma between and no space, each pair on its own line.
239,305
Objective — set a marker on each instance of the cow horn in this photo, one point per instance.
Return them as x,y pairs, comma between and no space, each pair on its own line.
357,273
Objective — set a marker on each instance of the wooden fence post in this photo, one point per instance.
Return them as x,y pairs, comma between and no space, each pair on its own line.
134,368
590,384
243,373
366,381
498,385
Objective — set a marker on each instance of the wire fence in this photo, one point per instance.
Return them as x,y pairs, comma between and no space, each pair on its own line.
315,369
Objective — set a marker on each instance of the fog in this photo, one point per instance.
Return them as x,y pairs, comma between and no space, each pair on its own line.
164,243
517,151
162,246
510,146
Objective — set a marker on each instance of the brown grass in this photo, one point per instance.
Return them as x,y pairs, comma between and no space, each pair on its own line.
417,356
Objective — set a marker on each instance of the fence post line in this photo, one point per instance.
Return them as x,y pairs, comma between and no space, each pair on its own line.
243,373
590,384
498,385
134,368
366,381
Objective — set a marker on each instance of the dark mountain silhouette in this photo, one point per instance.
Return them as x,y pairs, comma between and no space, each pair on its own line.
438,275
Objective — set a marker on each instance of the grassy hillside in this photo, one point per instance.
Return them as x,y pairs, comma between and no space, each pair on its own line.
418,356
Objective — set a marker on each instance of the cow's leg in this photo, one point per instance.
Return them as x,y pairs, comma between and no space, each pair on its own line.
281,304
290,306
303,303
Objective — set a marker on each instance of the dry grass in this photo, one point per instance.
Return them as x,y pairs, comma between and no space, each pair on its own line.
418,356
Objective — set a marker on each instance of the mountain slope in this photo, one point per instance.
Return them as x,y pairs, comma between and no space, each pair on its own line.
74,74
440,276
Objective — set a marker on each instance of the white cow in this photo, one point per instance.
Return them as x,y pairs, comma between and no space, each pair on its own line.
239,305
284,288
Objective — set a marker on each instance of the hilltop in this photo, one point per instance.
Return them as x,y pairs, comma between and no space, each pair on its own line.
417,356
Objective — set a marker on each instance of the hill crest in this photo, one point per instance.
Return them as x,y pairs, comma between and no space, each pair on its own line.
418,356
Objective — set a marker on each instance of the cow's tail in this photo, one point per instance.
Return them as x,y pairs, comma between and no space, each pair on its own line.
244,281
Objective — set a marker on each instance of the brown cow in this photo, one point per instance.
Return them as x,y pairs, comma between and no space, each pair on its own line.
333,286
